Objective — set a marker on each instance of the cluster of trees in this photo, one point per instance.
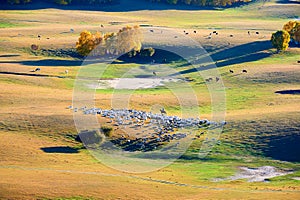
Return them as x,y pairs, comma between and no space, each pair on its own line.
203,2
293,28
63,2
127,39
291,32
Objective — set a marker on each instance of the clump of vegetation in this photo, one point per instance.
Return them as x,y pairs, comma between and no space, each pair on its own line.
220,3
18,1
89,137
280,40
127,39
144,52
293,28
107,131
63,2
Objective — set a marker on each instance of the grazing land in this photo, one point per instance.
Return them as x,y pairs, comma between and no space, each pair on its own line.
40,158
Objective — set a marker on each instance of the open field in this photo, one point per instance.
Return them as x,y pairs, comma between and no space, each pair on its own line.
40,158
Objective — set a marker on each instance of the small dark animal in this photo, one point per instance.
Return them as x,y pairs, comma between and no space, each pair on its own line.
298,61
162,111
257,32
37,69
186,33
217,79
244,71
48,38
175,36
248,32
208,80
214,31
217,33
231,71
39,37
195,31
154,73
230,35
102,26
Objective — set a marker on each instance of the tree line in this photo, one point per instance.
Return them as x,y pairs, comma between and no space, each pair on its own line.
219,3
62,2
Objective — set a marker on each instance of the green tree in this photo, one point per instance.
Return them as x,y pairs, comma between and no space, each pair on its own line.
280,40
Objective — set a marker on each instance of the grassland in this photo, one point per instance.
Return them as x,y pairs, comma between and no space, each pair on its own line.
263,127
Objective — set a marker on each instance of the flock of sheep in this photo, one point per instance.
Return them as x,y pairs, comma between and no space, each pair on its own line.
146,130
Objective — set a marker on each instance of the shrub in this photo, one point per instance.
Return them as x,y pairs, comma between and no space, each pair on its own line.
107,131
280,40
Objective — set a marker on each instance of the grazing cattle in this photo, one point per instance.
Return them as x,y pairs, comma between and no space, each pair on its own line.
186,33
67,71
248,32
244,71
217,33
39,37
34,47
257,32
102,26
208,80
195,31
230,35
37,69
154,73
48,38
214,31
217,79
162,111
151,31
298,61
231,71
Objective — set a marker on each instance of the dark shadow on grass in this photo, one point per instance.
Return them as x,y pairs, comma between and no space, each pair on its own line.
118,6
284,147
296,92
236,55
48,62
67,150
34,75
9,55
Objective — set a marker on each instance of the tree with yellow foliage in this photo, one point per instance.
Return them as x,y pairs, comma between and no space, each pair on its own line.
293,28
126,40
280,40
85,43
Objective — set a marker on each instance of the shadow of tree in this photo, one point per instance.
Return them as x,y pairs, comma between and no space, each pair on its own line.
48,62
60,149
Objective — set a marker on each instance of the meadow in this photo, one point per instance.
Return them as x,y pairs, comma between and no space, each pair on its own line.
40,158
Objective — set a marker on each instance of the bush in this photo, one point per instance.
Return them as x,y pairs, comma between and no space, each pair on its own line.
107,131
280,40
89,137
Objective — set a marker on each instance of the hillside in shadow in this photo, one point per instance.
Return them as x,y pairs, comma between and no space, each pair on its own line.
117,6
